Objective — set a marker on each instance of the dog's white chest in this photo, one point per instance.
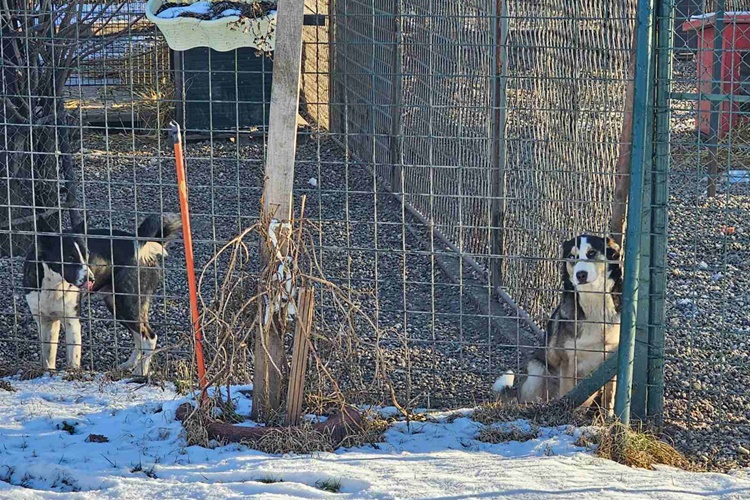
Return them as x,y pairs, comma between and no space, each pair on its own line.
57,298
598,335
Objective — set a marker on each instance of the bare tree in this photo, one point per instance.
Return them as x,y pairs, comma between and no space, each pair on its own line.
43,42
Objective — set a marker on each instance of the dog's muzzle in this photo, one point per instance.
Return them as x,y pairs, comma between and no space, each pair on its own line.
582,277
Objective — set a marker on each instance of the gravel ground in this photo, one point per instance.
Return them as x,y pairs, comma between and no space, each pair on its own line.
454,351
708,298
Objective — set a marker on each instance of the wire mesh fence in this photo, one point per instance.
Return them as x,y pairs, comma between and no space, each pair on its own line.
706,398
446,150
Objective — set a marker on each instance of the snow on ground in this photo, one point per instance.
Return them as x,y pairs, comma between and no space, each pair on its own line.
198,8
146,456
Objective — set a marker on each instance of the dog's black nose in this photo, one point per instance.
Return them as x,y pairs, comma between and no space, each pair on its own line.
582,276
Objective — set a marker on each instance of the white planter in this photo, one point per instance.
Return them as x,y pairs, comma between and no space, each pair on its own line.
227,33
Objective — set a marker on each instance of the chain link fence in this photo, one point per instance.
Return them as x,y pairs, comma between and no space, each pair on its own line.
498,122
707,369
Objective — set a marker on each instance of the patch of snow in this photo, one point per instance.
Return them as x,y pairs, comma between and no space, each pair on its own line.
146,456
313,181
709,15
198,8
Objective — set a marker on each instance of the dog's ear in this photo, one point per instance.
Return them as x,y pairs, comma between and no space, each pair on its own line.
567,246
615,267
613,249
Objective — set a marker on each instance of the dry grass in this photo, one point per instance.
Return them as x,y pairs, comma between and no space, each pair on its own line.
639,449
733,148
78,376
195,427
303,439
32,372
494,435
369,433
7,370
613,441
545,415
331,485
155,104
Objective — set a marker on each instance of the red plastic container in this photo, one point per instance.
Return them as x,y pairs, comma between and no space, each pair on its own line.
735,66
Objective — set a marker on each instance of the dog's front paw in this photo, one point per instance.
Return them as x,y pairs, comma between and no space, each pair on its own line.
132,364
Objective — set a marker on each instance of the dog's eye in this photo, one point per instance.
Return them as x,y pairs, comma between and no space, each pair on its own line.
591,254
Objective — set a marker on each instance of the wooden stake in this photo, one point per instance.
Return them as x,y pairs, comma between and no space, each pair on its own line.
622,181
301,348
277,192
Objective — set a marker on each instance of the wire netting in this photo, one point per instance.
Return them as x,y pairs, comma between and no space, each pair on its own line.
707,369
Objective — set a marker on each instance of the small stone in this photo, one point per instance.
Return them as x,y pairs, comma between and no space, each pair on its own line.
703,265
697,385
153,162
743,450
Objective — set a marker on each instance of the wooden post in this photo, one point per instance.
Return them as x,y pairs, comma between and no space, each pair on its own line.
622,181
277,193
301,347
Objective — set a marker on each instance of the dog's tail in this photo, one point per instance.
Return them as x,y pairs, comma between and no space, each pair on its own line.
503,386
154,233
159,227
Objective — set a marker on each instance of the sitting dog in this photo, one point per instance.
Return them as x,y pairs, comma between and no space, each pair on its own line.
122,266
583,330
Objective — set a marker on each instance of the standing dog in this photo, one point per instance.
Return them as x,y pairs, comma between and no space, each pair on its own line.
60,267
583,330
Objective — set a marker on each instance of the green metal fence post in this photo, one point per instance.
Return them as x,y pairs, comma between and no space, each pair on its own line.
642,108
659,213
638,390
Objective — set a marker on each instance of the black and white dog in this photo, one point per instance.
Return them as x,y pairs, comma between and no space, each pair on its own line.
583,330
122,266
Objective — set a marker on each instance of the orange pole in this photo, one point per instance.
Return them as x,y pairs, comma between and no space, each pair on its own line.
188,239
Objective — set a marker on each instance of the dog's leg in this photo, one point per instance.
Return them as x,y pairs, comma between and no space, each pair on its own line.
135,357
49,335
148,346
533,388
73,342
608,400
567,373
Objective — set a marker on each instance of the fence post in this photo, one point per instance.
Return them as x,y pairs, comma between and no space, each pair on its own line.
639,387
499,152
716,105
396,139
642,108
277,191
659,213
